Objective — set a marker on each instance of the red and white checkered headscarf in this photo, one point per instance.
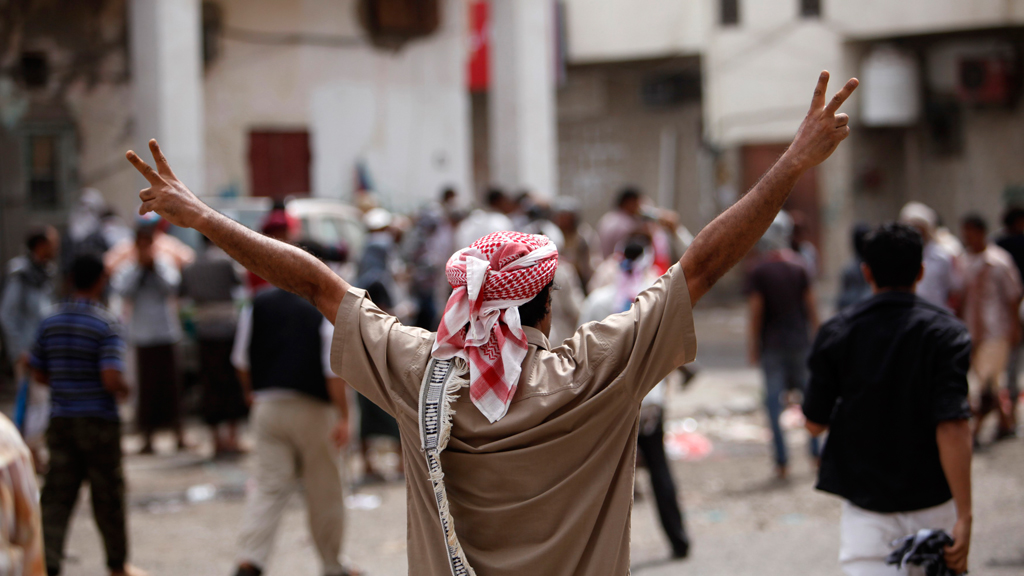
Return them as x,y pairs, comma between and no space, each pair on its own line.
492,278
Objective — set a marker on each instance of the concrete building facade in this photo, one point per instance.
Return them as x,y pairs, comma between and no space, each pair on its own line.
230,88
958,152
689,100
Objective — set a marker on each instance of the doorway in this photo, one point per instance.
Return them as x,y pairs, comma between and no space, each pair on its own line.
758,158
279,163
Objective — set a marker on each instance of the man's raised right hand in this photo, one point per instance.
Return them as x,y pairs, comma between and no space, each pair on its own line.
166,195
823,128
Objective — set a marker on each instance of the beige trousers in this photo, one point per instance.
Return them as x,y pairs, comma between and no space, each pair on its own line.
988,366
866,537
293,447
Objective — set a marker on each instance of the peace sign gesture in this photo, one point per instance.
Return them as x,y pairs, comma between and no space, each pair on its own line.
166,195
822,129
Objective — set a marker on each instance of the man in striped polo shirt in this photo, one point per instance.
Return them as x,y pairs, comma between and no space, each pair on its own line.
79,354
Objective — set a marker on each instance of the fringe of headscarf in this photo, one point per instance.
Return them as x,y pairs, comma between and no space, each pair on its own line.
442,382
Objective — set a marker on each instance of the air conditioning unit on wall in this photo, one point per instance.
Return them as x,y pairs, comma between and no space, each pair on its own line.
986,81
891,96
393,22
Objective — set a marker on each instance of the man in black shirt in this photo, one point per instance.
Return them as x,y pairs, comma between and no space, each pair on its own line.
782,320
889,379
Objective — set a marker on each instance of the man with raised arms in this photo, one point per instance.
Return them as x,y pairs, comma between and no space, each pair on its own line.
538,454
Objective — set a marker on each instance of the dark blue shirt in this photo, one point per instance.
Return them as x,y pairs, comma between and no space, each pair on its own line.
72,347
884,373
782,282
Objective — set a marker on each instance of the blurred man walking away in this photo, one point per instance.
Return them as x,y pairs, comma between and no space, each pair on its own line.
428,248
28,293
581,245
79,354
783,316
27,297
802,246
621,223
544,441
992,298
635,276
942,281
210,284
854,287
376,276
21,533
279,225
149,283
483,221
1012,240
889,383
166,248
281,352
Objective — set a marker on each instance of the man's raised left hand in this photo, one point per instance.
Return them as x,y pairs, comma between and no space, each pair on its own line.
167,196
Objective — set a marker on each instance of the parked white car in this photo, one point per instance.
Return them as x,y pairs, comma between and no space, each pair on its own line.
331,223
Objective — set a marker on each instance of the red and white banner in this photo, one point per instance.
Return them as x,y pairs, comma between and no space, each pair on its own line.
479,46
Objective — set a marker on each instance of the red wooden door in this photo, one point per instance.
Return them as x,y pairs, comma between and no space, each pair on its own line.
279,163
758,158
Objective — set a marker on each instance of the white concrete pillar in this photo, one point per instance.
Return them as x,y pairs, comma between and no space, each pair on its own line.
523,143
167,79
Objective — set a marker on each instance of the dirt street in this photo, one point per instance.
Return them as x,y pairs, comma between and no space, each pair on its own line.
186,510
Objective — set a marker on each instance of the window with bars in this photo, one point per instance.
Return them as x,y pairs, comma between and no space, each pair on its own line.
730,12
43,172
810,8
48,150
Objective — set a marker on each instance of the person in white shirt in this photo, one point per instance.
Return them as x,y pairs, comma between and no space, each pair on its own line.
484,221
149,283
635,275
942,281
992,298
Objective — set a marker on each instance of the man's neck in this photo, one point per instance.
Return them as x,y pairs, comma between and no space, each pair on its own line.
902,290
87,296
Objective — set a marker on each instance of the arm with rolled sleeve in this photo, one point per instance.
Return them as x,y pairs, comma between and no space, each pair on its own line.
823,389
951,412
952,361
112,350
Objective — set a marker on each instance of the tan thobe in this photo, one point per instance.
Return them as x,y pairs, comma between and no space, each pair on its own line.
548,489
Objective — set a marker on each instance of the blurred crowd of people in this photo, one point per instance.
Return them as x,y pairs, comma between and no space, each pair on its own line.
262,354
144,308
976,276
